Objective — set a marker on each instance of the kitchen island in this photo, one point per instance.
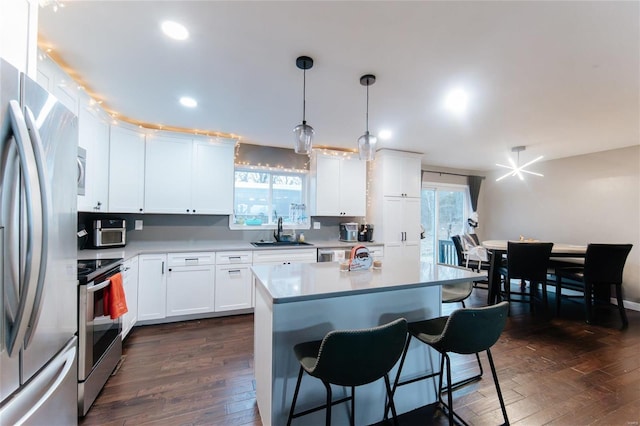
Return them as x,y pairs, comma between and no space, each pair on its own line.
301,302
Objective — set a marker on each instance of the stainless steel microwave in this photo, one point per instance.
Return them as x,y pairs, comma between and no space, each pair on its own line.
109,233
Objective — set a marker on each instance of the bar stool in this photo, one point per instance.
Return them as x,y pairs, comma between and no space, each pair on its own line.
466,331
350,358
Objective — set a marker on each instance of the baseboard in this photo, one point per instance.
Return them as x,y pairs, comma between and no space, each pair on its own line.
634,306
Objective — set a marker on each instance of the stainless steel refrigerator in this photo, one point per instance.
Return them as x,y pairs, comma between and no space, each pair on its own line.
38,272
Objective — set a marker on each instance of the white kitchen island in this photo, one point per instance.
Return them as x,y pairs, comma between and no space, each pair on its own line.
301,302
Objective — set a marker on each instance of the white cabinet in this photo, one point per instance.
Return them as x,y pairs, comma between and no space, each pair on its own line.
19,34
152,286
285,256
190,283
130,284
187,176
57,82
234,286
400,173
126,170
93,136
212,178
338,185
401,233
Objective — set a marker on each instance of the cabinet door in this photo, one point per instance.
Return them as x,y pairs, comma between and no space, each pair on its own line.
411,227
167,175
212,178
327,186
126,171
401,176
190,290
152,286
130,284
393,228
234,288
412,176
353,187
19,34
93,135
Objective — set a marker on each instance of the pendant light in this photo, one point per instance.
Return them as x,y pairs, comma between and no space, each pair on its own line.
303,132
515,169
367,142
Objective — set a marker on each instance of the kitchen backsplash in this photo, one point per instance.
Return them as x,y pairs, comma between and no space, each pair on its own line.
165,227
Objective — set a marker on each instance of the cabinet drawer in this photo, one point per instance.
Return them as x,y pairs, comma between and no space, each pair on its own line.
191,259
233,257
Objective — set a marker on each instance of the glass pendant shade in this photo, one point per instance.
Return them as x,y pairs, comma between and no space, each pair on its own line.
303,137
367,146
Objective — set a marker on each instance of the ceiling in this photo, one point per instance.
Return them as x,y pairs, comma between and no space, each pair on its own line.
561,78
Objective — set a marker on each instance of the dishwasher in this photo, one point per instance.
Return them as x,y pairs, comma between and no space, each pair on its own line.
338,254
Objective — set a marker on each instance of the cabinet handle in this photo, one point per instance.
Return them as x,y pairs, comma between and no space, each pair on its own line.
140,209
234,271
169,269
163,268
187,210
235,257
194,210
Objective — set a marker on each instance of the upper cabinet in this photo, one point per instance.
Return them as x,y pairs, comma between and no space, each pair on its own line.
338,184
398,172
126,170
188,176
93,136
19,34
58,83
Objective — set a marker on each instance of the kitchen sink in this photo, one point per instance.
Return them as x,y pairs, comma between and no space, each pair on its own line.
280,244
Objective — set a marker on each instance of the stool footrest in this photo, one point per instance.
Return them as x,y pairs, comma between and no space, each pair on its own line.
320,407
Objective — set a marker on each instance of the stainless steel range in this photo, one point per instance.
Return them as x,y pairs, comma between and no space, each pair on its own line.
99,339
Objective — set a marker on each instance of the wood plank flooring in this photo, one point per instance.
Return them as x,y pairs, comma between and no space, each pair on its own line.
556,371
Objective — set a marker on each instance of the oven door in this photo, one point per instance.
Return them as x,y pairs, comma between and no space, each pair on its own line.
96,331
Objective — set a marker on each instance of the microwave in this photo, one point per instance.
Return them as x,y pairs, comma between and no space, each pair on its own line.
109,233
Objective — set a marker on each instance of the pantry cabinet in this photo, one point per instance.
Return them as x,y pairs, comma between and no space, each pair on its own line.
400,172
130,284
188,176
190,283
152,287
401,234
338,184
126,170
93,136
234,284
19,34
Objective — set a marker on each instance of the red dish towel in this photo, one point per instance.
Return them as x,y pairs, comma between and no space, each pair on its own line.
117,305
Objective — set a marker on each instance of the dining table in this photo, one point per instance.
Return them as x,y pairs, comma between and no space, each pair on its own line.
573,253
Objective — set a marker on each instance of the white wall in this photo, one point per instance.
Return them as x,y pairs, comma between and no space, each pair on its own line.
592,198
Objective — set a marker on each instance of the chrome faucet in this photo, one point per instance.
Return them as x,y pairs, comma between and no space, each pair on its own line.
278,235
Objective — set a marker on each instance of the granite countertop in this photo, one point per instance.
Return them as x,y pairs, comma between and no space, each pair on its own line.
135,248
312,281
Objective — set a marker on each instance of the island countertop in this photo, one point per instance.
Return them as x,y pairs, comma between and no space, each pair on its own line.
312,281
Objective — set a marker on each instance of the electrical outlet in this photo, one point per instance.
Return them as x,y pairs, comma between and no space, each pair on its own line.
138,225
316,225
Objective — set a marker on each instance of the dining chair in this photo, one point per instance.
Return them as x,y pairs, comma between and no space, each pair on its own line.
469,264
466,331
603,267
350,358
527,262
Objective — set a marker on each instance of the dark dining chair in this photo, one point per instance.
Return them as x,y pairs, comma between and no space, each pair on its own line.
603,267
527,262
350,358
466,331
472,264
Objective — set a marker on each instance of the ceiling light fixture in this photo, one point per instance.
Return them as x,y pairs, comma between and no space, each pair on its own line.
367,142
175,30
303,132
515,168
188,102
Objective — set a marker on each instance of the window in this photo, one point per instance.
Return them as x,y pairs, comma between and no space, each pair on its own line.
261,196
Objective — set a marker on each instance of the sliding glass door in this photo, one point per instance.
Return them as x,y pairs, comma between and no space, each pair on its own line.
444,212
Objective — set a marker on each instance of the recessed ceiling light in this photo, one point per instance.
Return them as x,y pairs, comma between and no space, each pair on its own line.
174,30
456,101
385,134
188,102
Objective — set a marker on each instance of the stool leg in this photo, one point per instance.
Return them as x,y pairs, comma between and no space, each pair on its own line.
397,379
329,398
558,294
295,397
449,390
390,395
623,312
495,380
353,405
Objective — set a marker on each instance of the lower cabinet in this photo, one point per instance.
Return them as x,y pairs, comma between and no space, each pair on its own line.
234,284
152,286
190,283
130,284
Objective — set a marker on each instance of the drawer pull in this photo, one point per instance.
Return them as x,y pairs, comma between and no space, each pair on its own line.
234,271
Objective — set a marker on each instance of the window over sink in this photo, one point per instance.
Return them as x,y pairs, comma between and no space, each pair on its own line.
261,195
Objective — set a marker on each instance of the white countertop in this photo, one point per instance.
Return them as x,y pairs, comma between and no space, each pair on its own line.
135,248
311,281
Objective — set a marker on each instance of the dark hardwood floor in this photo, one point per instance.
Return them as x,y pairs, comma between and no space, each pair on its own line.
558,371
